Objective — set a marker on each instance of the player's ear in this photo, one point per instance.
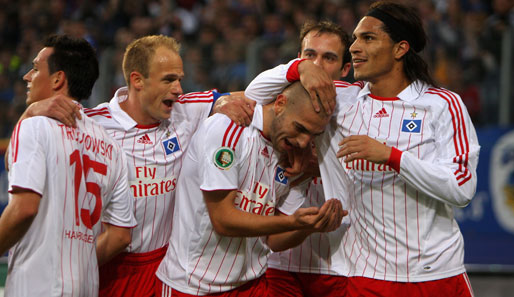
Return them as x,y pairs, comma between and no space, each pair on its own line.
400,49
58,80
346,69
136,80
280,104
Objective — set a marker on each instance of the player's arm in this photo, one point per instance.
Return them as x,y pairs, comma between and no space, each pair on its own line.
332,214
268,84
227,220
58,107
450,178
111,242
236,106
17,217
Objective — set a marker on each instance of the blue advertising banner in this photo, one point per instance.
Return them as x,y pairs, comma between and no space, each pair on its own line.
487,223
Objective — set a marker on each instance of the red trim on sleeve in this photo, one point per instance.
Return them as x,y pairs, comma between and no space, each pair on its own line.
394,159
292,72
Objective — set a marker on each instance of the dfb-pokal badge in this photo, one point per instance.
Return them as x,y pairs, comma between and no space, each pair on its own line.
224,158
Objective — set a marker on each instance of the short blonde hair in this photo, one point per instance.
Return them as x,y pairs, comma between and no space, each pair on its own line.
140,51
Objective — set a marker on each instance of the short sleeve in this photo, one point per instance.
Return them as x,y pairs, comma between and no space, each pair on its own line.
27,157
219,153
120,211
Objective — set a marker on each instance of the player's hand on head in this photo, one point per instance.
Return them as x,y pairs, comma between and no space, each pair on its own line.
237,107
363,147
59,107
319,85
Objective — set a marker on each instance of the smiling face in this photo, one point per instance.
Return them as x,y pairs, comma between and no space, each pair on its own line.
295,123
39,79
372,51
325,50
162,86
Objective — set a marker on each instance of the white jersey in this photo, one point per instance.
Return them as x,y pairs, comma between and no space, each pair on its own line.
223,156
314,254
81,176
154,160
402,224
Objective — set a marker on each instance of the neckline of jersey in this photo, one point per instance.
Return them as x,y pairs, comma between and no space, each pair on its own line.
383,98
148,126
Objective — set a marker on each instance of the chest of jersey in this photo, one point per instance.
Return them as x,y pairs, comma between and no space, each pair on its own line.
262,182
395,123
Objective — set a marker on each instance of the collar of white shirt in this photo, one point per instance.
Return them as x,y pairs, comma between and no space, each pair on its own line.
410,93
258,120
119,114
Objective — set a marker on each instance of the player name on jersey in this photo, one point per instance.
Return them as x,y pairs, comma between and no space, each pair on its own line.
77,235
91,143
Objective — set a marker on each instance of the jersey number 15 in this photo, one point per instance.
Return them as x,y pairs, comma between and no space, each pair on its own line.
82,166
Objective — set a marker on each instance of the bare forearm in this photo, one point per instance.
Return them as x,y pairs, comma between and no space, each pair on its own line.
240,223
12,228
283,241
111,242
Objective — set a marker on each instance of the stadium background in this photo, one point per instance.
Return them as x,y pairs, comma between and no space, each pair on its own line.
225,43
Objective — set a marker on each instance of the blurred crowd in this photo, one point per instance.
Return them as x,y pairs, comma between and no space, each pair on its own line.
225,43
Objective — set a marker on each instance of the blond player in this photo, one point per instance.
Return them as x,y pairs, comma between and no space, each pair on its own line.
153,122
64,182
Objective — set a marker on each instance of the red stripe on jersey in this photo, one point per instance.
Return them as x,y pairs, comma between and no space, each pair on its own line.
148,126
340,83
235,258
204,94
224,142
222,260
106,114
195,101
199,258
208,265
459,127
463,125
237,130
383,98
16,134
90,110
237,138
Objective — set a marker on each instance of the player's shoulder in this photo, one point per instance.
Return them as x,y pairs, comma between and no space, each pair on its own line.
346,88
220,129
99,112
197,97
441,97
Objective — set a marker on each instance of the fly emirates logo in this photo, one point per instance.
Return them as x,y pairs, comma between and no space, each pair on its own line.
255,202
146,183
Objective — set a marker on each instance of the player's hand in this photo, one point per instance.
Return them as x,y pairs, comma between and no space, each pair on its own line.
58,107
319,85
237,107
363,147
332,214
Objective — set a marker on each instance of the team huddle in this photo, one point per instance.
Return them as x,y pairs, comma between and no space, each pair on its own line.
303,185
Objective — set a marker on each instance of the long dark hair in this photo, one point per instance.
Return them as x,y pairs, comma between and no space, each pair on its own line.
406,25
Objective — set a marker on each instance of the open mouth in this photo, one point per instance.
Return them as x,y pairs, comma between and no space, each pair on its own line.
168,102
